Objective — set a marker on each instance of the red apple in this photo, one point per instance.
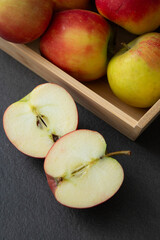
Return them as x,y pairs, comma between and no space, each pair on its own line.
23,21
70,4
80,173
77,42
136,16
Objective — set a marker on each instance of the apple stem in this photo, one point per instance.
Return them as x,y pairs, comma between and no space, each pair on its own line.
125,45
118,153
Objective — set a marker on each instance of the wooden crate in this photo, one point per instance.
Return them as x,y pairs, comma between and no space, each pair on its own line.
96,96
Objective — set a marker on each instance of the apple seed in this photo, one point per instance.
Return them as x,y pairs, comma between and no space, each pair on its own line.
55,137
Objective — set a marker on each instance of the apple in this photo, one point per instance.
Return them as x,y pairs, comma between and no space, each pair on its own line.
134,72
79,172
77,42
24,21
136,16
38,120
60,5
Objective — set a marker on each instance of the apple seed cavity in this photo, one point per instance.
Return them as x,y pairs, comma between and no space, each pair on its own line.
41,123
80,171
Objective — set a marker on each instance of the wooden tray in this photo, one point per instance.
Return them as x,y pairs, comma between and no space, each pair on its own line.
96,96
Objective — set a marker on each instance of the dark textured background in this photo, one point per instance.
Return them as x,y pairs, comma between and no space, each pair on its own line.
28,209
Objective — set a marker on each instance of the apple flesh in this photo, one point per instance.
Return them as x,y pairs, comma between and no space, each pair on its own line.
77,42
24,21
134,73
79,172
60,5
37,121
136,16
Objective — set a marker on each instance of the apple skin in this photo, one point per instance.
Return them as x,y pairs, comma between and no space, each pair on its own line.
24,21
134,75
60,5
77,42
136,16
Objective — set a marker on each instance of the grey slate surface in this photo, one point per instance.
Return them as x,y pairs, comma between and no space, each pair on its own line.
28,210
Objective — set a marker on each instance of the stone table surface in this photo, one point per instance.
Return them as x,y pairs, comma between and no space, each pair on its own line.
28,210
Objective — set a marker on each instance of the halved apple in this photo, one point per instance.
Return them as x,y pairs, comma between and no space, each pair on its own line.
79,172
37,121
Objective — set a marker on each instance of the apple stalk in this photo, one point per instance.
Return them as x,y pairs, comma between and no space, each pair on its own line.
118,153
125,45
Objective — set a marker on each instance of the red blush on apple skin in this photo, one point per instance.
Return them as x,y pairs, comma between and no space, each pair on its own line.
146,47
122,10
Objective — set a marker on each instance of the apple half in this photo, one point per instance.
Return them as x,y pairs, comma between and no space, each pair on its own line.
38,120
79,172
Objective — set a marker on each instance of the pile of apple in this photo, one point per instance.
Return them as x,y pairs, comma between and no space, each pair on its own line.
76,40
43,124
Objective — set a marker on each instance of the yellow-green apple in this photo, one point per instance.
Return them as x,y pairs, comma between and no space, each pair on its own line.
79,171
136,16
38,120
134,72
23,21
77,42
60,5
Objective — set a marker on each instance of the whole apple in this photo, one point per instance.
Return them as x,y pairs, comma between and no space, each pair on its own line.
70,4
24,21
77,42
136,16
134,73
